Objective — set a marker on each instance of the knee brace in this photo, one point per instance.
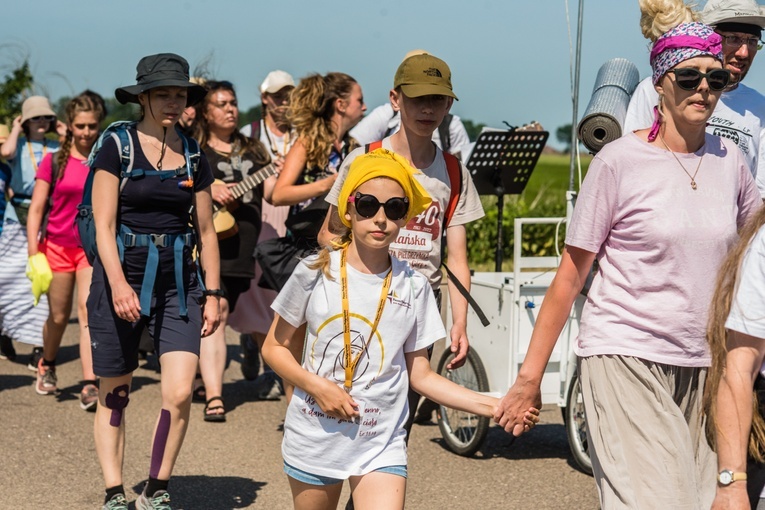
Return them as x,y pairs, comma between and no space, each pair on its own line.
117,400
160,441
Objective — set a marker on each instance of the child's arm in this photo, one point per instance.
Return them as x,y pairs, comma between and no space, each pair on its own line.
456,244
278,353
443,391
8,149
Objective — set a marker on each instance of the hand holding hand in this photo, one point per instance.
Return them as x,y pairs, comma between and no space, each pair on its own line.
515,413
125,302
334,400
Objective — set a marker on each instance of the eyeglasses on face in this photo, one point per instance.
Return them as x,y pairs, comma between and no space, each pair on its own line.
367,206
735,41
688,78
43,118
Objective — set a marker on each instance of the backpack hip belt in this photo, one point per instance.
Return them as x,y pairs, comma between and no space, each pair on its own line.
128,239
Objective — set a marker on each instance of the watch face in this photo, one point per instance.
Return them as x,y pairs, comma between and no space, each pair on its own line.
726,477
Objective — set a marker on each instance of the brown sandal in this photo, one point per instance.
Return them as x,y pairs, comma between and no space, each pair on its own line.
215,416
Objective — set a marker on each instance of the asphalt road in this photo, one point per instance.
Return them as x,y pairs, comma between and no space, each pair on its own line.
48,460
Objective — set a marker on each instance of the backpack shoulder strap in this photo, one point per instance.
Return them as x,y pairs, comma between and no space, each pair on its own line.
255,129
443,132
191,152
454,169
373,146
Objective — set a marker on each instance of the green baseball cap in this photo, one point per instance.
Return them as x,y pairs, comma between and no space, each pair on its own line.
424,75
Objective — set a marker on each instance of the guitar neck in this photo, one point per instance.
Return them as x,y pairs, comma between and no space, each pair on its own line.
252,180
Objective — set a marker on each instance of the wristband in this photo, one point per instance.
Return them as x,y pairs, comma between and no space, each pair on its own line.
213,292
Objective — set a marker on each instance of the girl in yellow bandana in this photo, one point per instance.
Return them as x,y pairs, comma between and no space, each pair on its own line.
369,320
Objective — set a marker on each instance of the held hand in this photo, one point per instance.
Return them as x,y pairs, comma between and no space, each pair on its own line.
211,315
222,194
125,302
459,346
732,497
334,401
515,413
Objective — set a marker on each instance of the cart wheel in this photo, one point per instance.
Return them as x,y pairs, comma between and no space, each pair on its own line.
463,432
576,427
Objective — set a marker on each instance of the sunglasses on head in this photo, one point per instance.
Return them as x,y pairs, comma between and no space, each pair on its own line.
41,118
367,206
688,78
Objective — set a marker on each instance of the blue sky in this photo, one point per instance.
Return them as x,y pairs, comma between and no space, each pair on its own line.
509,58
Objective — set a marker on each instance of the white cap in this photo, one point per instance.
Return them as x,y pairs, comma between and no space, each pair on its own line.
276,81
733,11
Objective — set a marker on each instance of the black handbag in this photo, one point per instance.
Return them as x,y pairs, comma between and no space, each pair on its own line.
278,258
306,223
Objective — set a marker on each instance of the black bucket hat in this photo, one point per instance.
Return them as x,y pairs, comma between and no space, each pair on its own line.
161,70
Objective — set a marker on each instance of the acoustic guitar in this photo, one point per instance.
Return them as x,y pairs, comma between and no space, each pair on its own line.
225,224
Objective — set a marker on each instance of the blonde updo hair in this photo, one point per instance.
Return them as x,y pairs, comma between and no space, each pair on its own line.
660,16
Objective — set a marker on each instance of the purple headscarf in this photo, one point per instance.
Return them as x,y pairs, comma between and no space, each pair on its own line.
684,42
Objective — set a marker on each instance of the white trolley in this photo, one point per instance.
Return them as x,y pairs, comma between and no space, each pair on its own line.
511,301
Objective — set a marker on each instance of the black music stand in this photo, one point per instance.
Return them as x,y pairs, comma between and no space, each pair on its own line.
501,164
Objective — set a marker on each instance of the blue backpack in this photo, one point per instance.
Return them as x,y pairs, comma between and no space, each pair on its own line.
125,238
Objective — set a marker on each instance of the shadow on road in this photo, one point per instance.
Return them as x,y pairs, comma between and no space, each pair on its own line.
211,492
11,382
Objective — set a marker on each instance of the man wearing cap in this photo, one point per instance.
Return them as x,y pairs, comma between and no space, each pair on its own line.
381,122
740,112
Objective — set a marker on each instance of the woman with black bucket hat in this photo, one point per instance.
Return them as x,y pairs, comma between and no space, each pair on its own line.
144,274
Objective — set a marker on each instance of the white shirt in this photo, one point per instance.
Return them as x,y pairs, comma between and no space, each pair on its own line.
739,116
322,445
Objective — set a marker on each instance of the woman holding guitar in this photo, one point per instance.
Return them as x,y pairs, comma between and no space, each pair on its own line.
238,166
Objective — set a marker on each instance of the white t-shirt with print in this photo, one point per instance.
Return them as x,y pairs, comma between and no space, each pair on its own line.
419,242
660,244
747,310
739,116
322,445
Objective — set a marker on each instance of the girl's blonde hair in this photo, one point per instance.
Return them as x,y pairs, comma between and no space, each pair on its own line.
717,337
660,16
322,259
312,105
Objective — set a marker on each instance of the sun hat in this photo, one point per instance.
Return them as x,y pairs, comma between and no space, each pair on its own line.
424,75
276,81
684,42
383,163
747,12
36,106
161,70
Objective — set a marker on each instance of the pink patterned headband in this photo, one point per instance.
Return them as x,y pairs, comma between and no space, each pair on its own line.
682,43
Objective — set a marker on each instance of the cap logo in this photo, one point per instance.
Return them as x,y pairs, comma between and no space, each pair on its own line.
433,72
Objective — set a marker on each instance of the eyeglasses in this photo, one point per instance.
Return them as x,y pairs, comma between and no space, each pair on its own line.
735,41
688,78
41,118
367,206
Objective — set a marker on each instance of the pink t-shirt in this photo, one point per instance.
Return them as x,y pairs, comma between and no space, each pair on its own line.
67,195
659,245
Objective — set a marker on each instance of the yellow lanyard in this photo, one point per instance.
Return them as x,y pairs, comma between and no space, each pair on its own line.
350,361
32,154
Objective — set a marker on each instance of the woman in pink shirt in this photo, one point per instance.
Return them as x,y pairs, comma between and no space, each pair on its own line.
59,185
659,210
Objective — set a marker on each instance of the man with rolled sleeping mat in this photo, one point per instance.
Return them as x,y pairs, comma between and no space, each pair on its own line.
740,113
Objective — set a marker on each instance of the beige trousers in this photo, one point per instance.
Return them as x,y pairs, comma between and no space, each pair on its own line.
646,435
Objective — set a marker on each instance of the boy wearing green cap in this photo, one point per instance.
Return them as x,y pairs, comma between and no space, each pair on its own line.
422,94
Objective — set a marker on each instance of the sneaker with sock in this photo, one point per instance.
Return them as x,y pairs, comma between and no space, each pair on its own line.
46,379
117,502
159,501
89,397
35,358
7,351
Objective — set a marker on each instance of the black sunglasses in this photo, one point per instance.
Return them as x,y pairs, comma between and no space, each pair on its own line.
40,118
688,78
367,206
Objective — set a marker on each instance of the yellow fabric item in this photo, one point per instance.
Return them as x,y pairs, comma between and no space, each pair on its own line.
38,271
383,163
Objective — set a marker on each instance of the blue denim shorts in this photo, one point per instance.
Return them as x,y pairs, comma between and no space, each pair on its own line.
311,479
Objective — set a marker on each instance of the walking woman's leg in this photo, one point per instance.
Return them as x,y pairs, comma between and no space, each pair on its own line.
178,369
60,303
109,426
83,277
212,359
314,497
378,491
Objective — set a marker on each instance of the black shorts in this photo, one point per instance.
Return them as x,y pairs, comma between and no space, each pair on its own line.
234,286
114,342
